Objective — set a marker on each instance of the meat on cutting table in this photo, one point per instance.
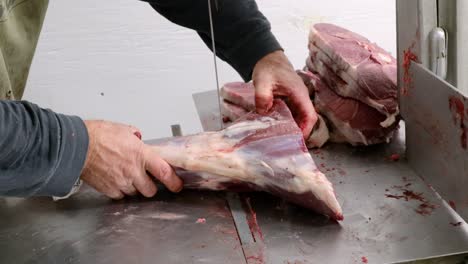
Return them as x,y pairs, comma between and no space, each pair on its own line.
231,112
369,71
352,83
256,152
239,93
349,119
239,96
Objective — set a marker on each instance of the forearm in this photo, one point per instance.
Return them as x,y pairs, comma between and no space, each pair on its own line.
243,35
41,152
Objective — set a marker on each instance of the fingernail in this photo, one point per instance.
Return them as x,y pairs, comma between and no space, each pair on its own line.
138,134
180,187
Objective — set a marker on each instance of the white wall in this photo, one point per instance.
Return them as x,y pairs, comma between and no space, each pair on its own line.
147,68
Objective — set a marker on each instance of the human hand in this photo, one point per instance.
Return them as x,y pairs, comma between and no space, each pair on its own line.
274,76
118,163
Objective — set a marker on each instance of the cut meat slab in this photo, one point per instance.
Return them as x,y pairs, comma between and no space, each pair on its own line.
231,112
368,68
353,121
238,95
257,152
318,62
305,75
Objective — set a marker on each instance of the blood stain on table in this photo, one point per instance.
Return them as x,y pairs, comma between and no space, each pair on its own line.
424,208
201,221
457,107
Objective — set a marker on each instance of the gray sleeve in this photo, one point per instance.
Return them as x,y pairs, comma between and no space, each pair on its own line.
42,153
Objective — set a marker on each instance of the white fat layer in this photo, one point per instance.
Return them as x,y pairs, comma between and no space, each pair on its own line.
211,181
391,119
308,179
320,136
385,57
325,47
243,127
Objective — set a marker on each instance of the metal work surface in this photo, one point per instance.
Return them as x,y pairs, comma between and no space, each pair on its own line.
436,144
391,215
89,228
436,113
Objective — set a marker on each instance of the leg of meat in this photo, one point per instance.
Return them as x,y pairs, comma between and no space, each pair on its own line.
257,152
368,68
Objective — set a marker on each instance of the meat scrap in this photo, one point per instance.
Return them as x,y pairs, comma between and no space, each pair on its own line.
256,152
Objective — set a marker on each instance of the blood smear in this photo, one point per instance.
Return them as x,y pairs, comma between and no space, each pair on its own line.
408,56
452,204
201,221
226,119
364,260
458,111
395,157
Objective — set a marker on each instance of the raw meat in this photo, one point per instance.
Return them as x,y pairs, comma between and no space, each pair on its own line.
237,95
306,76
349,119
231,111
240,94
257,152
369,70
319,135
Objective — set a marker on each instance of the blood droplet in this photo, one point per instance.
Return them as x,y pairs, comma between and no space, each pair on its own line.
395,157
452,204
201,221
137,134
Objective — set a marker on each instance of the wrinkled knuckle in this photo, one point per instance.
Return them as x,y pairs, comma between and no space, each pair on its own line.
140,152
124,183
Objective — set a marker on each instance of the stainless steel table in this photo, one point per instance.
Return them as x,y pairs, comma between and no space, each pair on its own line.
391,216
89,228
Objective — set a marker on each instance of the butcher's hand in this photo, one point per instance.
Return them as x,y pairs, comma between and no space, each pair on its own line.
274,76
118,163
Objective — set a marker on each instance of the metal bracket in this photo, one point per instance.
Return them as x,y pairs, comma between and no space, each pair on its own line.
438,52
176,130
